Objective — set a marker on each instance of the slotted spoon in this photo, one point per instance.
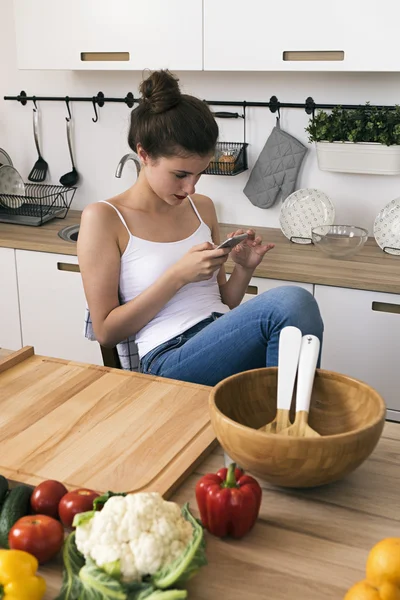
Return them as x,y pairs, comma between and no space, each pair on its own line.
39,169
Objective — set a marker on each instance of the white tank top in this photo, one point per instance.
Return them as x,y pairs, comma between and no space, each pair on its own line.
143,262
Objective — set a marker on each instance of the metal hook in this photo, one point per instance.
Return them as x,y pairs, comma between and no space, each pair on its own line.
95,111
310,106
34,102
274,106
99,100
68,109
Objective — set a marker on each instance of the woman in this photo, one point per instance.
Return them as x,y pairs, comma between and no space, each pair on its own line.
149,261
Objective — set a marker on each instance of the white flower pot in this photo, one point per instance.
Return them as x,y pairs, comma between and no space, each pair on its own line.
365,157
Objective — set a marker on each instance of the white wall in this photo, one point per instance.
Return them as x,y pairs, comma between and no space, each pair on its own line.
99,146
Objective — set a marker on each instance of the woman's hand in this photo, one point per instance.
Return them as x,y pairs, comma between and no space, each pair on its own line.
200,263
249,253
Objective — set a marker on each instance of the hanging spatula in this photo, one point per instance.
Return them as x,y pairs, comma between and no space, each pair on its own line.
39,170
305,378
288,358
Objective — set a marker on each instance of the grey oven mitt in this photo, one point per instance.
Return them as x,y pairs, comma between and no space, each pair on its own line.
276,169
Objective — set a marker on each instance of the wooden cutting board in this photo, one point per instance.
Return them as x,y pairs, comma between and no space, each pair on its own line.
96,427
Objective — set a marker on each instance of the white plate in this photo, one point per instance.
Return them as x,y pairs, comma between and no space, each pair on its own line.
387,227
303,210
4,158
12,184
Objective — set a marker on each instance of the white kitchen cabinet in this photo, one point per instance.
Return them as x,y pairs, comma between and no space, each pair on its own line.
10,328
258,285
52,305
118,35
362,338
259,36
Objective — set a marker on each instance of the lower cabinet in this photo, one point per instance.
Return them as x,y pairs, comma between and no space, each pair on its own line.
10,326
258,285
52,306
362,339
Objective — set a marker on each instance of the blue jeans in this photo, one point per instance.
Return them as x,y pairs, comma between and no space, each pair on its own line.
247,337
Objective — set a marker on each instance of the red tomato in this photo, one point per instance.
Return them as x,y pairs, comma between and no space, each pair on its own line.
39,535
75,502
46,497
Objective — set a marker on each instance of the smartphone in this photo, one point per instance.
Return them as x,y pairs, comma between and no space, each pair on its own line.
233,241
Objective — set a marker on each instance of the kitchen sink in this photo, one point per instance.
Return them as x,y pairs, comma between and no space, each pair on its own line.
69,234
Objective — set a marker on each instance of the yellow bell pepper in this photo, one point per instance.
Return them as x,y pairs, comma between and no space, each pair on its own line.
18,579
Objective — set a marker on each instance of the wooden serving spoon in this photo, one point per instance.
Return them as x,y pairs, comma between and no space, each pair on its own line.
305,378
288,358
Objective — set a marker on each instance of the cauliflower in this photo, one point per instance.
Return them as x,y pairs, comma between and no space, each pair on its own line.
138,534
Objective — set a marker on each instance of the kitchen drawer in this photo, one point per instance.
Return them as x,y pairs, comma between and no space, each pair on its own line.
362,338
258,285
10,326
52,306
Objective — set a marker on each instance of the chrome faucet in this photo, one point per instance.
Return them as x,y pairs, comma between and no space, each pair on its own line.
130,156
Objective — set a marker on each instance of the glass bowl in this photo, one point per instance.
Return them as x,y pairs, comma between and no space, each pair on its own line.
339,241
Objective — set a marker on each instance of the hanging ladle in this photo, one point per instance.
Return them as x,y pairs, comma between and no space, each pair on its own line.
69,179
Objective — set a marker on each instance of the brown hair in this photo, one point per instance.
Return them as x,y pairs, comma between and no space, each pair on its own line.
167,122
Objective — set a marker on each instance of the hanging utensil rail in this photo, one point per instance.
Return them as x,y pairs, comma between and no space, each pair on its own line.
274,104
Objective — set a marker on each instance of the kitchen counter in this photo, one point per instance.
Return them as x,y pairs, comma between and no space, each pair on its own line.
370,269
306,545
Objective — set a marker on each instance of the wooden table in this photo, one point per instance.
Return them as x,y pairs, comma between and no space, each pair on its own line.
306,545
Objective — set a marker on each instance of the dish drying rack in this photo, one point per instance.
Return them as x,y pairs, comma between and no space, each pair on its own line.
40,204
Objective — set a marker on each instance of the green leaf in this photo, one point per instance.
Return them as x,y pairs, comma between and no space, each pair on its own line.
164,595
189,562
97,585
101,500
82,518
146,591
113,569
73,562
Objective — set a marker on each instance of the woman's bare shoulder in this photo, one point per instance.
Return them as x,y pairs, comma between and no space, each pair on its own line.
99,215
205,206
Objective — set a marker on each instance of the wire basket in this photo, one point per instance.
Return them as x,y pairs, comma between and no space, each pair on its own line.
40,204
230,159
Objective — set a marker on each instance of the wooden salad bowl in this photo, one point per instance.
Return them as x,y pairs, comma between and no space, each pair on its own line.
348,414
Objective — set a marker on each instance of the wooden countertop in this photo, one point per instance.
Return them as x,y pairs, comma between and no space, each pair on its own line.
307,545
370,269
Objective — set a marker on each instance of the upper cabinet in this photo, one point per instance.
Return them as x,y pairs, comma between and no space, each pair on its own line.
322,36
213,35
99,34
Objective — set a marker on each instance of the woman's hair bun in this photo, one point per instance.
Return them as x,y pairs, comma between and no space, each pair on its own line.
160,91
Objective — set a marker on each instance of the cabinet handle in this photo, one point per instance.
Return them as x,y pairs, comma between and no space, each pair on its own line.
105,56
313,55
252,289
386,307
61,266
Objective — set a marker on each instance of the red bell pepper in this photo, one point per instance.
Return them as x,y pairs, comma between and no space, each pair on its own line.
229,502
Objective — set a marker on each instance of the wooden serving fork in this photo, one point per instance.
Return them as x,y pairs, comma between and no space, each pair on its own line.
288,358
305,378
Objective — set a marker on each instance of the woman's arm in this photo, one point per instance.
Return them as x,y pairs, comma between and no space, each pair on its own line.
233,290
100,260
247,256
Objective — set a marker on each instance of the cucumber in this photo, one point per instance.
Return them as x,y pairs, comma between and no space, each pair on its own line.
3,489
16,505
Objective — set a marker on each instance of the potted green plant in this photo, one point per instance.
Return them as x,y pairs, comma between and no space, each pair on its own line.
362,140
